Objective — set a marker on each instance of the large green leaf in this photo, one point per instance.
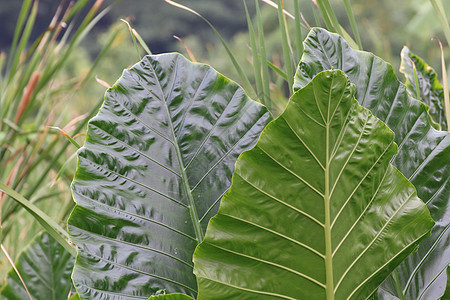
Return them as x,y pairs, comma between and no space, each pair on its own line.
423,153
158,158
315,210
45,267
430,89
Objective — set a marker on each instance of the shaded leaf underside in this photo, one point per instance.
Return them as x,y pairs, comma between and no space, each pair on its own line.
158,157
45,267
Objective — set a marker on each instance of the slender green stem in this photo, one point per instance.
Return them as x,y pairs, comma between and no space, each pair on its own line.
351,18
445,86
325,17
19,26
332,16
264,61
285,45
255,57
133,38
278,70
298,31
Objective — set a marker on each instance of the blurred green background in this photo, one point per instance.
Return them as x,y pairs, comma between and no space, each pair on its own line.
385,26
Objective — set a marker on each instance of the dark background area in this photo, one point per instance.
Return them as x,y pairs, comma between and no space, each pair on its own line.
155,20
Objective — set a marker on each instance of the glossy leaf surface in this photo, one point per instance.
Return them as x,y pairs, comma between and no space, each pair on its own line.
171,297
157,160
431,91
45,267
315,210
423,155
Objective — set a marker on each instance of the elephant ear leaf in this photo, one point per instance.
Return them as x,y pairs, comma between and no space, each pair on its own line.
315,210
45,267
423,153
430,89
158,158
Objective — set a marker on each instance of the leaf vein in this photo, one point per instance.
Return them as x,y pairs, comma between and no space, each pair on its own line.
272,264
296,175
136,215
278,234
370,244
359,183
282,202
137,150
114,240
226,154
132,180
304,144
210,132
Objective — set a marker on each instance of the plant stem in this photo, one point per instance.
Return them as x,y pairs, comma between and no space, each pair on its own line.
351,18
285,45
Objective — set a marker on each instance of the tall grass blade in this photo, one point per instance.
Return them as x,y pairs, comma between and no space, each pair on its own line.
316,14
351,18
133,37
55,157
26,96
67,136
275,5
88,20
15,270
142,42
63,168
278,70
56,231
288,14
18,29
298,31
83,30
245,81
255,57
445,86
440,12
264,65
191,55
24,39
348,38
286,47
332,22
99,57
324,13
328,10
79,5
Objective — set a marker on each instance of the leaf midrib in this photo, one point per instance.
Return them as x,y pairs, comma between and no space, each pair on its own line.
191,203
327,227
